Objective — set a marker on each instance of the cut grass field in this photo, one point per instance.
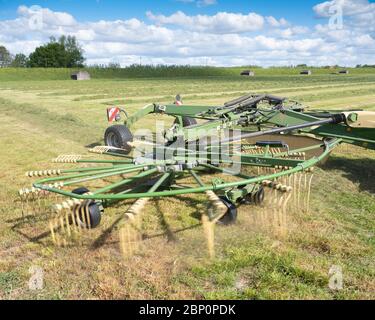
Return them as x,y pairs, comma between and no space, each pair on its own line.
41,119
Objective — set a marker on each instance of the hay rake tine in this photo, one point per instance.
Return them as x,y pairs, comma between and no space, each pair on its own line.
309,194
130,231
214,213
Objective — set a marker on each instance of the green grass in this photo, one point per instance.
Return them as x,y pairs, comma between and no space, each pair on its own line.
44,115
9,281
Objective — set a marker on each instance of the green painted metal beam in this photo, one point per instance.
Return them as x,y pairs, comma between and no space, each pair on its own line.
301,167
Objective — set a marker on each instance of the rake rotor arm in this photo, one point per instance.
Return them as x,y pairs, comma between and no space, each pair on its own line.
148,109
332,120
252,101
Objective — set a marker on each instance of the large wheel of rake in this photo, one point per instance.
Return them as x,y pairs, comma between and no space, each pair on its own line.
118,136
230,216
187,121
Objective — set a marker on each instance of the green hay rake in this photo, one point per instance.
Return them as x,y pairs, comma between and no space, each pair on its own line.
257,149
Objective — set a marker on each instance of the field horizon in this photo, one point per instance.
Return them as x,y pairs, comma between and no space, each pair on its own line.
168,71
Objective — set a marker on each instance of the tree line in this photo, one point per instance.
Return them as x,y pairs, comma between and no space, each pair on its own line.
64,52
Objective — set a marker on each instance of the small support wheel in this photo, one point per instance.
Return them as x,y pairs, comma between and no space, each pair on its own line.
81,191
89,214
256,198
259,196
230,216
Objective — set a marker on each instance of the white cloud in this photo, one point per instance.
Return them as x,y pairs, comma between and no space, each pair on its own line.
205,3
200,3
220,23
365,40
290,32
220,39
273,22
49,17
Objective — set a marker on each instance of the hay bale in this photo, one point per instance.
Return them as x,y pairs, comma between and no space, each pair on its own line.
248,73
306,72
80,75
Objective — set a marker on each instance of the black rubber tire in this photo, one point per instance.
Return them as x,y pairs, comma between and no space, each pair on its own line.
256,198
187,121
118,136
259,198
95,215
81,191
231,215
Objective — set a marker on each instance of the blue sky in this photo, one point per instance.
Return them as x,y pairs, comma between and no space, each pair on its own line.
217,32
297,11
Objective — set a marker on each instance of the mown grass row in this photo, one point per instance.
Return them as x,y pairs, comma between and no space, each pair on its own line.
163,71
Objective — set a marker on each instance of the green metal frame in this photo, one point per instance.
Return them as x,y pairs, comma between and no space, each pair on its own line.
258,119
219,118
150,169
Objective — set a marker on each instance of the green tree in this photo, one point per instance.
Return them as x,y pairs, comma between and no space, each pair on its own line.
64,53
114,65
51,55
5,57
74,52
20,61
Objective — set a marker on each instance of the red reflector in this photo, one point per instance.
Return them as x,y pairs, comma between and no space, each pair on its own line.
112,113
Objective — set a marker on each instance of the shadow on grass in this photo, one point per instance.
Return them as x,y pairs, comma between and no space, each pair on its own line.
175,232
93,145
167,230
165,225
19,225
170,233
360,171
28,221
102,239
